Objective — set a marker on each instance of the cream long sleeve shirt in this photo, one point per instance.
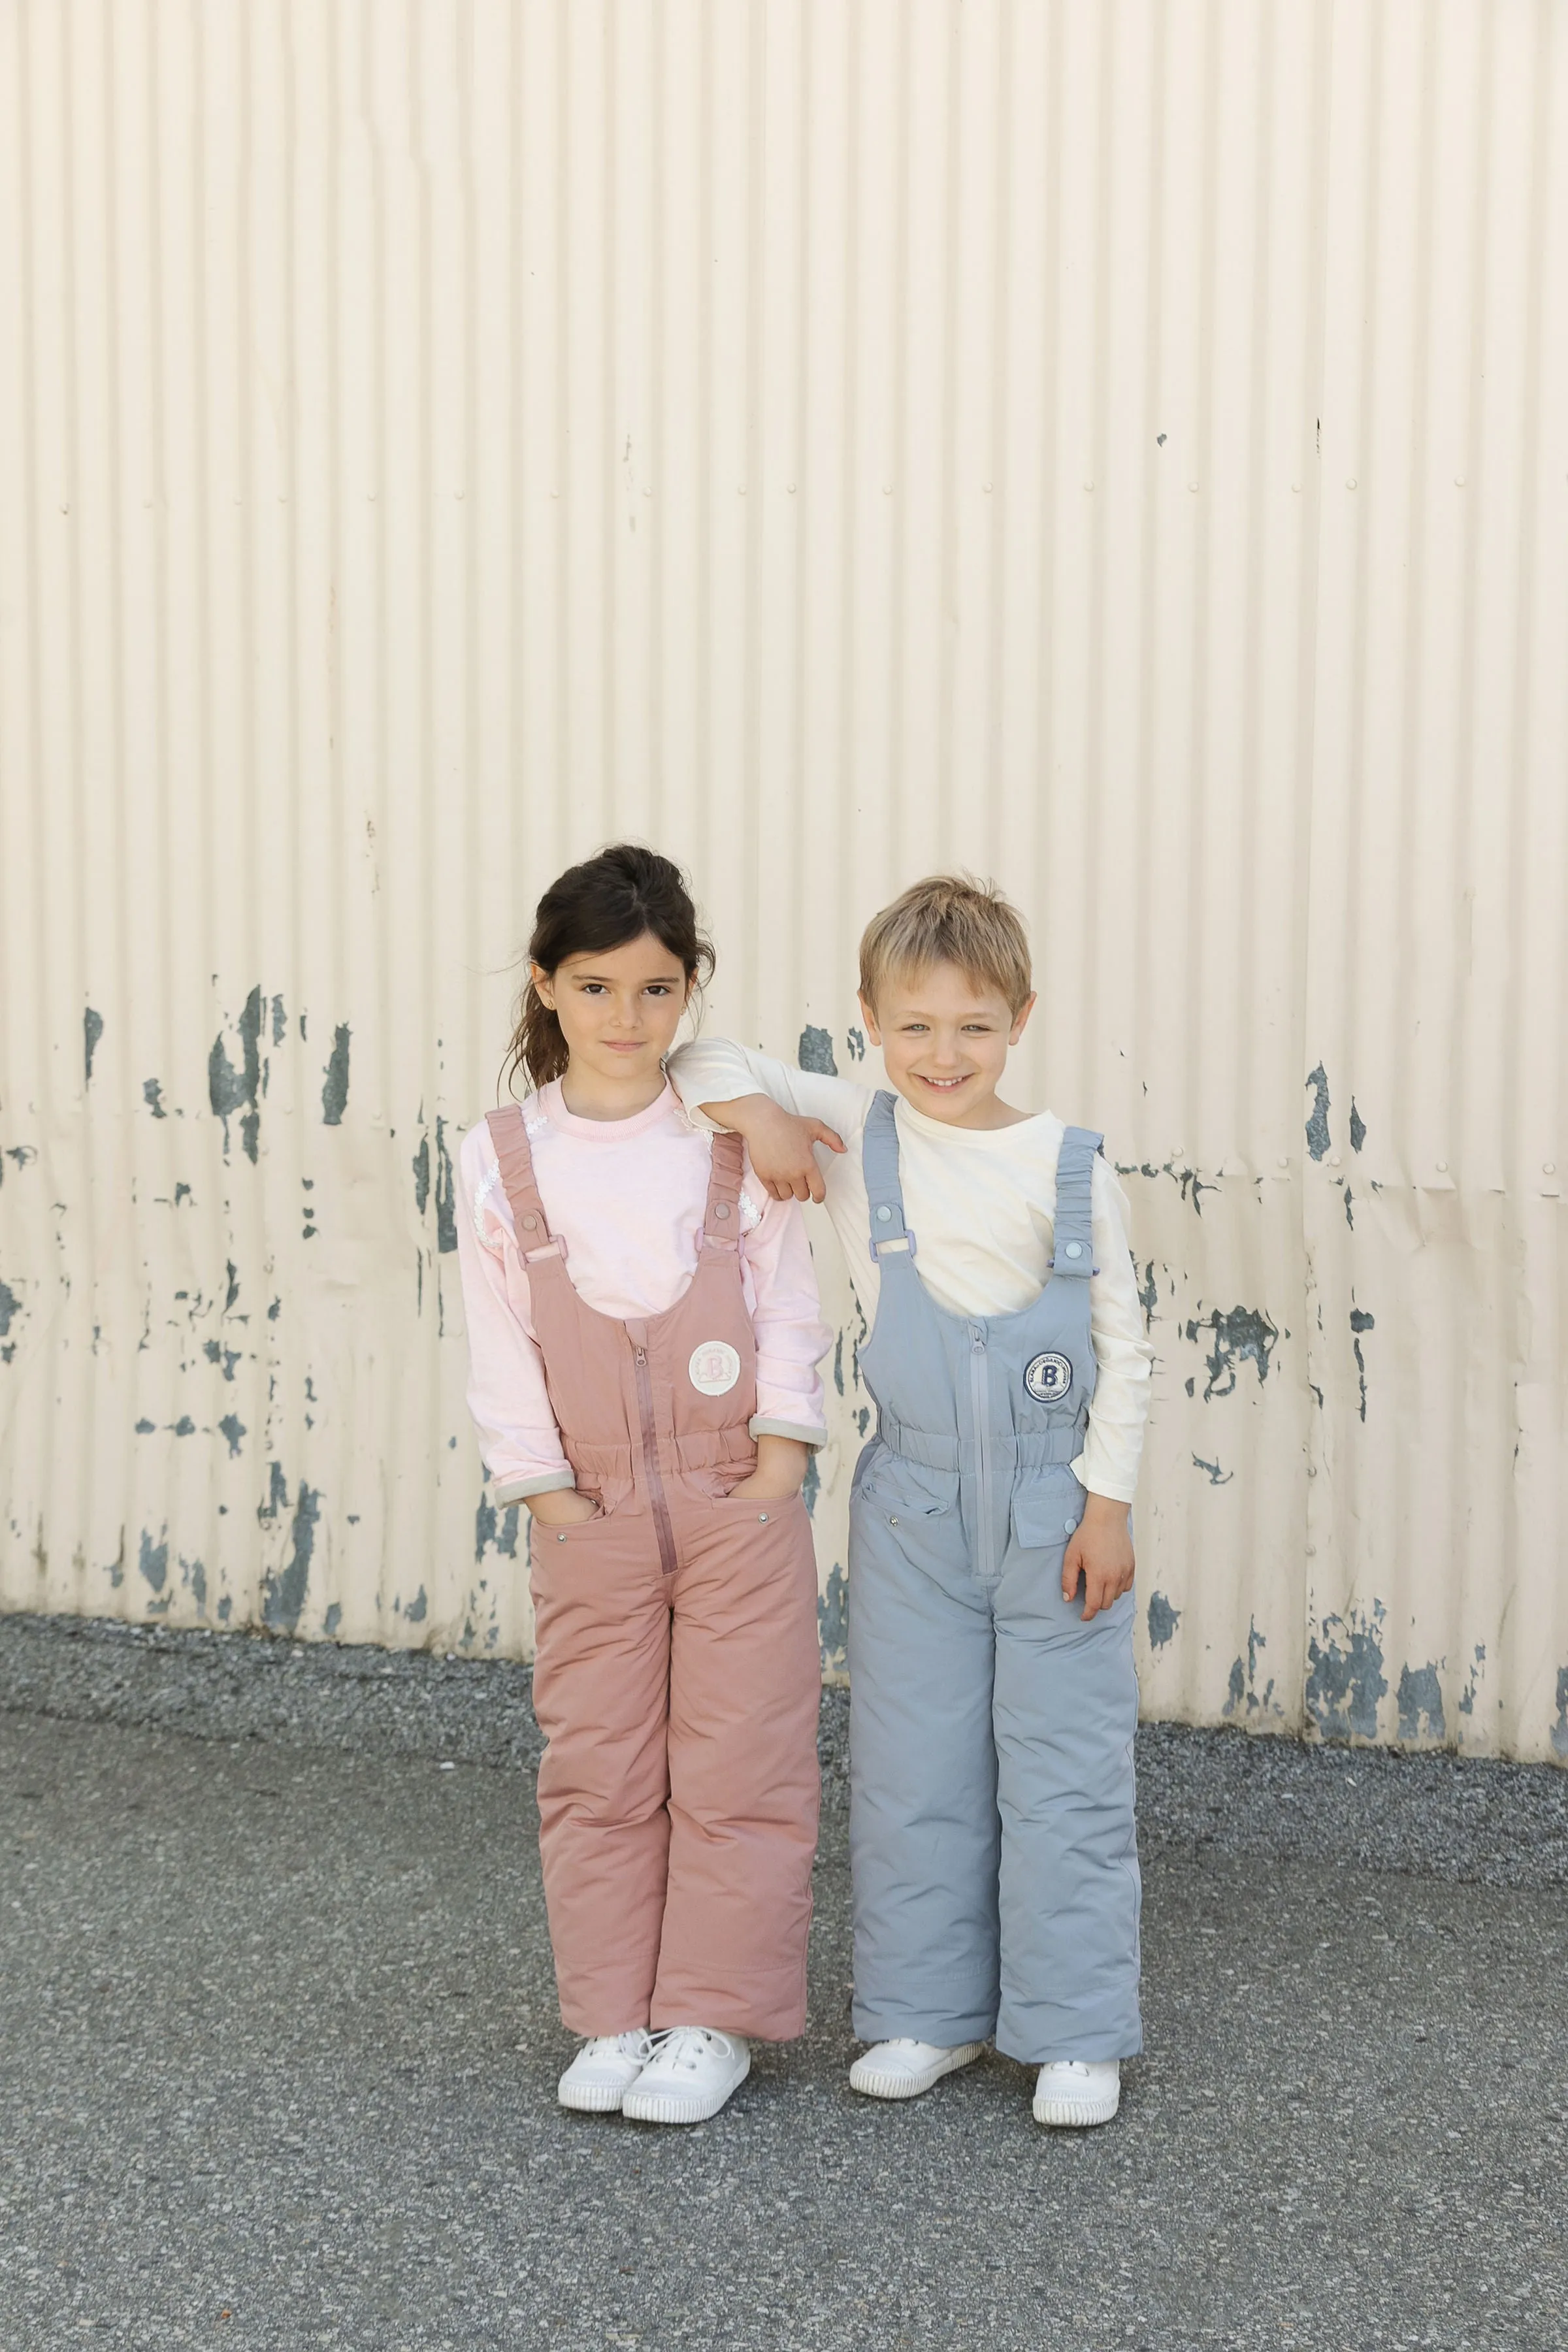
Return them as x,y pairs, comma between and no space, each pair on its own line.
982,1202
629,1196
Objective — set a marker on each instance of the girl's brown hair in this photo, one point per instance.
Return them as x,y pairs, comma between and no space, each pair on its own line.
604,903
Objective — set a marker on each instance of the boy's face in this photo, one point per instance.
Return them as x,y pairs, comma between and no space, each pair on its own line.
944,1040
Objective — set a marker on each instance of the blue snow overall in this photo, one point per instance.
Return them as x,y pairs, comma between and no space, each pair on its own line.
991,1824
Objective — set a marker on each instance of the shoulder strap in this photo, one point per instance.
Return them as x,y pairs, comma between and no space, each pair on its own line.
721,1218
508,1133
879,1160
1074,1247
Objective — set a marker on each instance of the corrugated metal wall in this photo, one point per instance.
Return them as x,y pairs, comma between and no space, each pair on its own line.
1117,448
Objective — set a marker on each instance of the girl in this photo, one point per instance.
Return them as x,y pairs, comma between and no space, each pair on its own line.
643,1336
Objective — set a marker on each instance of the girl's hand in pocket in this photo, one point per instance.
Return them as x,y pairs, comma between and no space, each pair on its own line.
781,1466
562,1506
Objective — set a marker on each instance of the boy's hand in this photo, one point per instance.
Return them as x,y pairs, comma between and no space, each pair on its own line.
781,1466
1101,1553
562,1506
780,1144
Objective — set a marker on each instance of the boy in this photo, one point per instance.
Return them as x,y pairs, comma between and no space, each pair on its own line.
991,1719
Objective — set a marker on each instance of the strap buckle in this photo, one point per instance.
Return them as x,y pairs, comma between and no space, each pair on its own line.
904,1241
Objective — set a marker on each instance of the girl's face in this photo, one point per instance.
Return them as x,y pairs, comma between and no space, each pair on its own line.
619,1011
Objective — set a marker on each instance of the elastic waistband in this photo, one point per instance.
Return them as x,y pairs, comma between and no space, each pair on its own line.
1027,1449
698,1450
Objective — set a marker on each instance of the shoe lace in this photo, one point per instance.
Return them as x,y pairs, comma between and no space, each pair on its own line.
682,2047
636,2043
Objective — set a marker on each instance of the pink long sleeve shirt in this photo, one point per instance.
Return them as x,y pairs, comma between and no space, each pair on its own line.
628,1197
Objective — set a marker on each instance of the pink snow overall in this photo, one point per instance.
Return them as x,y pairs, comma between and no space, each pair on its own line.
676,1674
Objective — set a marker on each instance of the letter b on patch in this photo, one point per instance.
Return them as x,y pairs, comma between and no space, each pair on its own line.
1048,1378
714,1368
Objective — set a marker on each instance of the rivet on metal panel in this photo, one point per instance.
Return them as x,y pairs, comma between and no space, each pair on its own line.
1459,481
1549,1167
1442,1167
1192,485
986,488
1311,1469
1311,1551
1284,1162
1350,481
789,488
1296,486
1333,1159
1088,486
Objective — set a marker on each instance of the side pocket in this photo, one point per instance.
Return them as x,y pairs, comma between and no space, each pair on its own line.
1045,1512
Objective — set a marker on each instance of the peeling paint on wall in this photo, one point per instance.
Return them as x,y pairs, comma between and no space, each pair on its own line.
1318,1124
335,1088
91,1031
229,1089
815,1052
1345,1680
1242,1336
1163,1621
283,1595
1420,1702
833,1619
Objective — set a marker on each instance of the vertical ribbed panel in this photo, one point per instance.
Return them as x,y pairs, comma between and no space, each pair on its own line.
1112,448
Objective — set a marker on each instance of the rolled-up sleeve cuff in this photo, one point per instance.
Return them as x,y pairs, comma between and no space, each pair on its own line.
1115,1490
518,1490
764,1424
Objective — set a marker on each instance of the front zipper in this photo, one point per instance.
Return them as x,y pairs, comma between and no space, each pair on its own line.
650,1463
978,1403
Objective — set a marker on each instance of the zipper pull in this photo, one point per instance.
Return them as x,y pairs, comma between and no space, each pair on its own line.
978,1344
642,1355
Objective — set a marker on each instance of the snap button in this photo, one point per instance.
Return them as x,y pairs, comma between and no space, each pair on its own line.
531,1222
884,1216
762,1518
1075,1249
722,1209
1069,1525
559,1539
893,1523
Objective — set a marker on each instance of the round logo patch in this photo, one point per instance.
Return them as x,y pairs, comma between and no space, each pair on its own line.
714,1367
1048,1378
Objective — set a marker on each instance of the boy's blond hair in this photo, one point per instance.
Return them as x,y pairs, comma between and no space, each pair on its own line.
949,918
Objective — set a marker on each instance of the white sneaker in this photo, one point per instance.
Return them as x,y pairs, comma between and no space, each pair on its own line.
1076,2092
902,2069
603,2071
691,2074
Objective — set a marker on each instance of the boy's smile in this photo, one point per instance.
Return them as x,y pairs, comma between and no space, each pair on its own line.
944,1040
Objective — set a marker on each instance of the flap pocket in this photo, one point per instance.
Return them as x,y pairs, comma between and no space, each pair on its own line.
1045,1512
901,1488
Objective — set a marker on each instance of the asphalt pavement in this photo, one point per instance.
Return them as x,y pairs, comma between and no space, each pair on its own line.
278,2047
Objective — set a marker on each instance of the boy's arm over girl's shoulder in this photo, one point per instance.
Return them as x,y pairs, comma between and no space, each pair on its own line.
728,1085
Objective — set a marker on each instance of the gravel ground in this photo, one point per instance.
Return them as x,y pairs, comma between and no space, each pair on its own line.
277,2049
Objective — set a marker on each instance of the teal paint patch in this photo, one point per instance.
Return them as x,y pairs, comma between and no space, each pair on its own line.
1163,1621
811,1485
1244,1335
234,1091
283,1596
153,1560
91,1033
445,1192
1559,1729
1419,1699
1345,1680
1360,1322
335,1087
1358,1128
335,1618
415,1613
1243,1696
1216,1476
833,1619
814,1052
233,1428
152,1096
1318,1124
